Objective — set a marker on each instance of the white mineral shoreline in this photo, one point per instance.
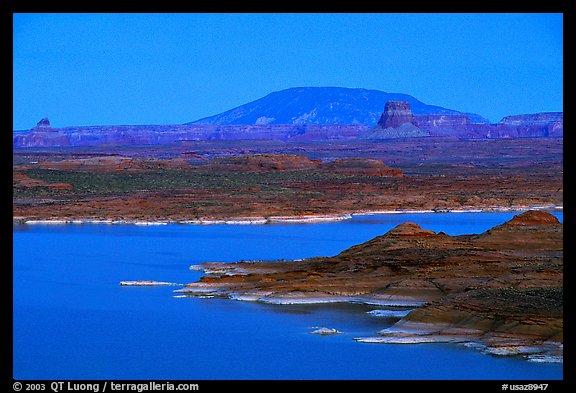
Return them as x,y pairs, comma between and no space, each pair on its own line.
400,333
306,219
149,283
203,289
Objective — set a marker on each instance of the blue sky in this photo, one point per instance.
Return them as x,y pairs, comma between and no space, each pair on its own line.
104,69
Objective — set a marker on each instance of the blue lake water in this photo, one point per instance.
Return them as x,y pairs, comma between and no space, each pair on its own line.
72,320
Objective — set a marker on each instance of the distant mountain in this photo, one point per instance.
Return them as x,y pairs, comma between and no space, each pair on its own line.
322,105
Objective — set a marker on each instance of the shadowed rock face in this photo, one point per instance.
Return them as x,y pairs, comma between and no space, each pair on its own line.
397,121
43,124
501,289
395,114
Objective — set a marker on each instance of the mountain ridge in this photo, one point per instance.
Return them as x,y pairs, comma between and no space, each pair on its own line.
322,105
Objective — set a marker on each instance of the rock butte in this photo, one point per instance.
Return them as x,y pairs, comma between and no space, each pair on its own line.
397,121
501,290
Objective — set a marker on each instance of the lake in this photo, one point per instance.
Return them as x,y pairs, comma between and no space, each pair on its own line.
72,319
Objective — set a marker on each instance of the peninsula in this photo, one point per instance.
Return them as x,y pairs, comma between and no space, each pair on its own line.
500,291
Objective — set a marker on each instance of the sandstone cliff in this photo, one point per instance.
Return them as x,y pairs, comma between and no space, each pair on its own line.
397,121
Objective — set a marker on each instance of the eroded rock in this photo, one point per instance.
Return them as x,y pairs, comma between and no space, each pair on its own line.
493,289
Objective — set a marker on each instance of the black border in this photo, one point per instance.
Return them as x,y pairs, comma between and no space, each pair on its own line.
358,6
9,7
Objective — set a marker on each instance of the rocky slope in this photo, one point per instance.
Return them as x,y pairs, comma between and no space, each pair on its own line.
321,105
500,291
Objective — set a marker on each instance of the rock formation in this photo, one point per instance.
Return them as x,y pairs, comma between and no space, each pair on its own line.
324,331
445,125
42,125
291,162
535,119
536,125
362,166
397,121
113,164
264,162
501,289
395,114
167,134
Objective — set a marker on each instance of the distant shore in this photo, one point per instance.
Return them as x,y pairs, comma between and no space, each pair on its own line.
303,219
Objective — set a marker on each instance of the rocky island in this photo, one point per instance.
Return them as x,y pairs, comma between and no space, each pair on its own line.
500,291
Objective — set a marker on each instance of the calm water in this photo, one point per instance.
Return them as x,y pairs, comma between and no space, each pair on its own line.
72,320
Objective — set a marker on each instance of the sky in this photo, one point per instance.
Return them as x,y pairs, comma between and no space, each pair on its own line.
120,69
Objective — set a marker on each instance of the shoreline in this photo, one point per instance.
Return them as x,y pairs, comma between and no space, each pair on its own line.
453,297
300,298
304,219
401,332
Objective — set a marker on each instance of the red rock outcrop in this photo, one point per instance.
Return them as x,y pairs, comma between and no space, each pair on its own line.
532,218
397,121
395,114
264,162
362,166
289,162
504,296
